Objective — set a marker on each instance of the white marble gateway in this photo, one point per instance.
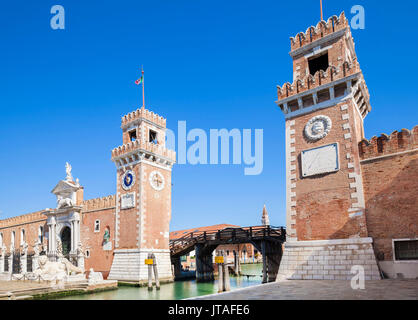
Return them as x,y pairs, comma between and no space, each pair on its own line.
320,160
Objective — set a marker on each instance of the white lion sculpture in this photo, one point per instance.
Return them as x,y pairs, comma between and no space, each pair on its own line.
54,268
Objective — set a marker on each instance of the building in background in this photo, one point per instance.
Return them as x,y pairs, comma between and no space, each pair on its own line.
114,234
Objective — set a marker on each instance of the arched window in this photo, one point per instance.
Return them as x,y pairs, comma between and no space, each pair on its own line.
12,240
22,236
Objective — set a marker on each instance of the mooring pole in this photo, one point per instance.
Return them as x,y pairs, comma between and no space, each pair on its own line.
154,266
263,252
227,284
220,275
149,274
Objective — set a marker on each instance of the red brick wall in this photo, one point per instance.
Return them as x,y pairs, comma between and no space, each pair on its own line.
157,210
99,259
322,201
391,189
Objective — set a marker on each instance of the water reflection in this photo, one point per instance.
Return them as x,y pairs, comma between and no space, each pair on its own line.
176,290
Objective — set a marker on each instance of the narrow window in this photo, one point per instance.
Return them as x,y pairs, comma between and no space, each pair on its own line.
87,253
318,63
13,239
1,240
132,135
406,250
41,234
153,136
97,226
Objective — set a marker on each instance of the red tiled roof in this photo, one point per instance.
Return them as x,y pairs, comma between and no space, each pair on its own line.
182,233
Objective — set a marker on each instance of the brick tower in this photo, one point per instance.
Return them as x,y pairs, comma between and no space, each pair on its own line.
143,197
324,109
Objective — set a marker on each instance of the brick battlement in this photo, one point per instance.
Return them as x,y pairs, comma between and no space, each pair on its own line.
143,114
386,145
320,78
146,146
321,30
99,203
26,218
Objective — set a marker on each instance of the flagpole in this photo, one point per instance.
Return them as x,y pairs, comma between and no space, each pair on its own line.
143,89
322,15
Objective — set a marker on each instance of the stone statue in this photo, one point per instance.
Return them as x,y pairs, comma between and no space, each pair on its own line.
55,268
36,248
95,277
80,250
3,250
24,248
106,236
68,169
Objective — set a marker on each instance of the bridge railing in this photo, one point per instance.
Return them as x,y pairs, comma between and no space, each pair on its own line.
226,233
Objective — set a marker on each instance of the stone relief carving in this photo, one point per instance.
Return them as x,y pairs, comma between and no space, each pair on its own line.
64,202
318,128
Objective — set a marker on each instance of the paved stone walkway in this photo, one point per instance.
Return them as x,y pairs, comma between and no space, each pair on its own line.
323,290
12,286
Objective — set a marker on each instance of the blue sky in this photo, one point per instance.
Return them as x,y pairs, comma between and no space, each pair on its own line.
214,64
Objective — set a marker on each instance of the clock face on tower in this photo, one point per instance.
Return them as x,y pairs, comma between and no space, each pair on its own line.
156,180
128,180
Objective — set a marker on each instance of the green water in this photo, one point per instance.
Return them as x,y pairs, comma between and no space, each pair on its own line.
176,290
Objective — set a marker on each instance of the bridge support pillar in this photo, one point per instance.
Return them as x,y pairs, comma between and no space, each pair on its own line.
204,264
272,255
175,261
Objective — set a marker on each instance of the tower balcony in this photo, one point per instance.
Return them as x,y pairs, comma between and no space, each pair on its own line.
325,89
138,150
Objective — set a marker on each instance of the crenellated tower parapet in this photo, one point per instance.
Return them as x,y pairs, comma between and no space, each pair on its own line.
322,30
385,145
143,115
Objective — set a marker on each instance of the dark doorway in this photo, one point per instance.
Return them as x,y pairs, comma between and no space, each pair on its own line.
66,241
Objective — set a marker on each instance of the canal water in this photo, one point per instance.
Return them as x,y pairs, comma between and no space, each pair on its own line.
176,290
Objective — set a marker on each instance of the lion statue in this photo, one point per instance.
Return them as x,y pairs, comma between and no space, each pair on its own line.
47,267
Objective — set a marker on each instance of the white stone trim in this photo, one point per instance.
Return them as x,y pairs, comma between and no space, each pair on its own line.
290,177
315,243
389,155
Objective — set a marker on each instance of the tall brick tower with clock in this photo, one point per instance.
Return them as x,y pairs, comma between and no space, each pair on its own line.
143,197
324,109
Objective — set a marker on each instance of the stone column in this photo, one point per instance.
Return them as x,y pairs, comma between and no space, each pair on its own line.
52,237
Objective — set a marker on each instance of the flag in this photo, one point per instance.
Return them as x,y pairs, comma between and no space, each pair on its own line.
140,80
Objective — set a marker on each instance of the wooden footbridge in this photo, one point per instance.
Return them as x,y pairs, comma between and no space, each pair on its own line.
266,239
